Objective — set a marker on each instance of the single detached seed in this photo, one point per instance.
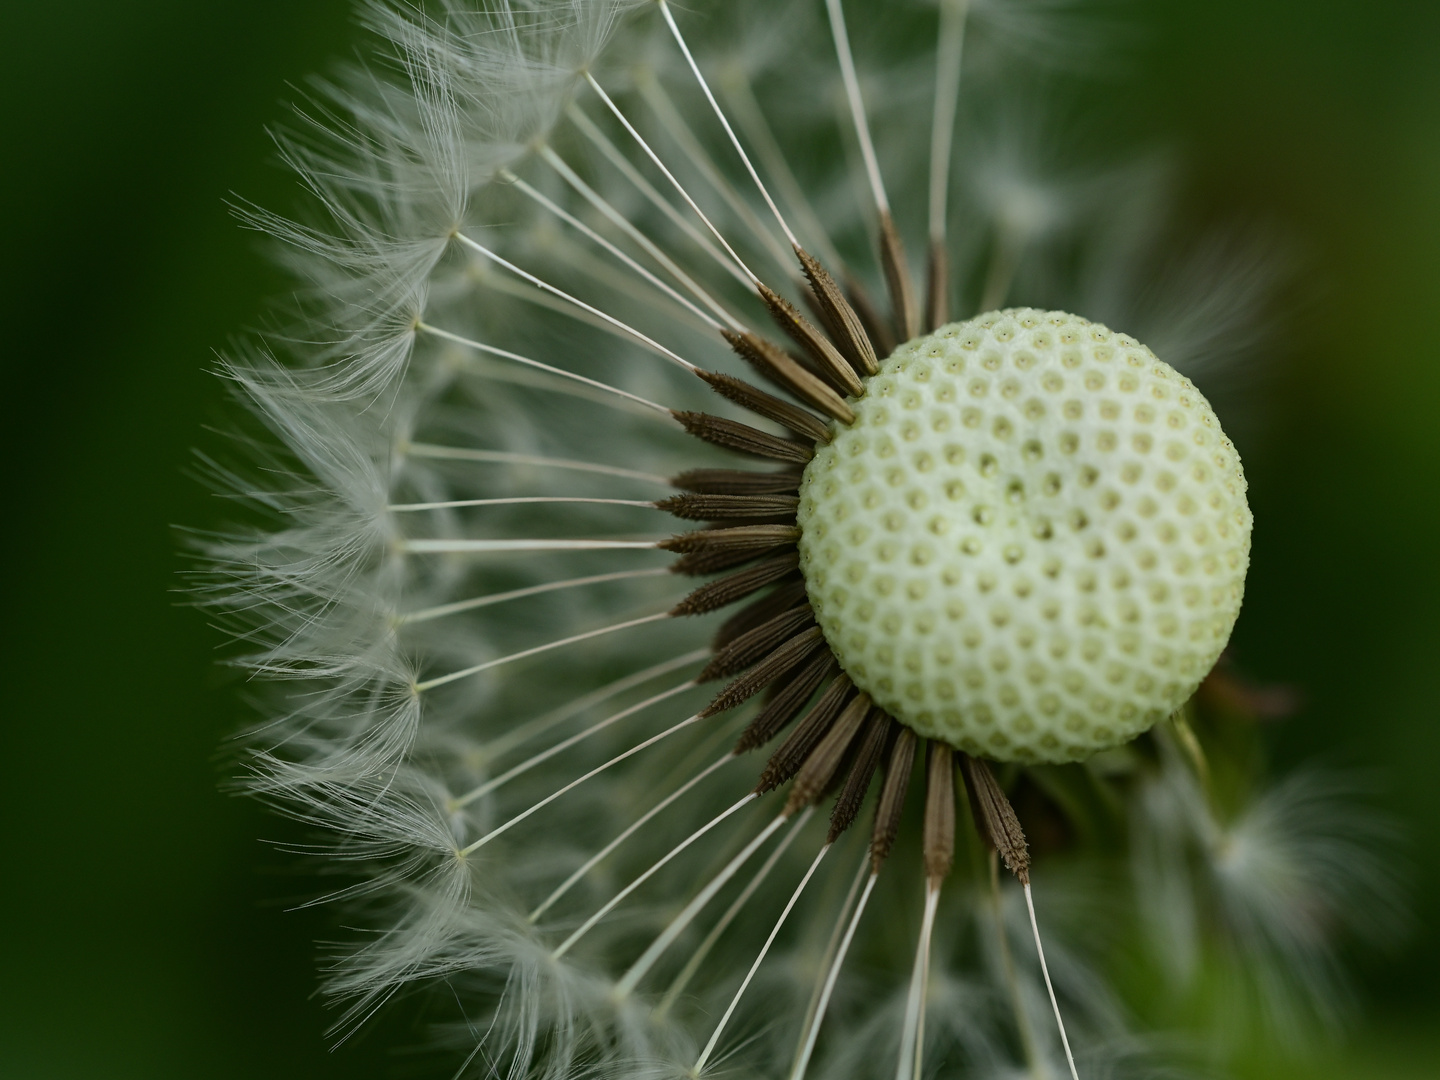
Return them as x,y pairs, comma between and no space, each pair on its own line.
1031,584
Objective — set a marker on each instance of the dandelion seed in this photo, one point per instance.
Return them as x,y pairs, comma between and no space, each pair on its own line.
588,262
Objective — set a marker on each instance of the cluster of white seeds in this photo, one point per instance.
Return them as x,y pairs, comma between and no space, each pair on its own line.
1031,544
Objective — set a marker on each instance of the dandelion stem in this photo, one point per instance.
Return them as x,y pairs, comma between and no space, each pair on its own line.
1185,733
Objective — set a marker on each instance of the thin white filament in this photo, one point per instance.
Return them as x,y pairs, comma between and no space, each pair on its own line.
654,869
441,610
1012,980
912,1031
594,860
517,500
671,177
802,1062
842,918
464,673
949,51
476,547
479,346
648,342
565,744
613,155
678,128
575,223
737,91
857,104
571,254
1004,262
522,733
677,925
492,370
505,457
590,195
677,987
498,281
720,115
476,845
1045,970
750,975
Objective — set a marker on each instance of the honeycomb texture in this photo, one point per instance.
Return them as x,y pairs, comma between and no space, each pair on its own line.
1032,542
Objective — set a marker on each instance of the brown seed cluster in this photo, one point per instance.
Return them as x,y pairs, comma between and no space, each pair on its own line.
839,738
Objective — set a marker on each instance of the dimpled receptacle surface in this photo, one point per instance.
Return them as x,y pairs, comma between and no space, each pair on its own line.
1032,542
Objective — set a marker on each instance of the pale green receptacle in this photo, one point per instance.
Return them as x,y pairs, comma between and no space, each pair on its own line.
1032,542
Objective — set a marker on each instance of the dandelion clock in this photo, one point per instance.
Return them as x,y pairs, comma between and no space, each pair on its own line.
738,549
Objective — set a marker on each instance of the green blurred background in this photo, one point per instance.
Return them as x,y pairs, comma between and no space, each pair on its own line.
144,930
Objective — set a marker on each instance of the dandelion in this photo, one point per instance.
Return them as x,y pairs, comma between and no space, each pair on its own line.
735,799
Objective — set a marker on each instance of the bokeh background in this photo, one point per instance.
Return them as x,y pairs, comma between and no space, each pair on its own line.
143,930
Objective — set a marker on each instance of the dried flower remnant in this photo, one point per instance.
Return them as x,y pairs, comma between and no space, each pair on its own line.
581,265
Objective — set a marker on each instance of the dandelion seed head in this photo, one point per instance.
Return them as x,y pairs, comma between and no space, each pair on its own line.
580,270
